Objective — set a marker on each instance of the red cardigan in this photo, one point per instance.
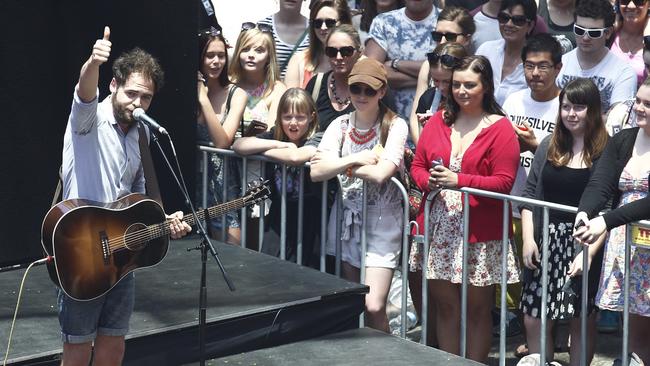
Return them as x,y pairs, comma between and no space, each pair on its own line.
490,163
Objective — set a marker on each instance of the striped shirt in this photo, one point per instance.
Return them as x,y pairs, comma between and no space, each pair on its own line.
283,49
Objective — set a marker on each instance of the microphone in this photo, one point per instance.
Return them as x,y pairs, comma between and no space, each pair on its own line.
141,116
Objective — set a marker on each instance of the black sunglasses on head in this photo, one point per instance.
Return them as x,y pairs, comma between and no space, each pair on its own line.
246,26
445,60
449,36
518,20
318,23
358,88
345,51
212,31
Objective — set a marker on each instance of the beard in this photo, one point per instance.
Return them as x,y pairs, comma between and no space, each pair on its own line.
122,115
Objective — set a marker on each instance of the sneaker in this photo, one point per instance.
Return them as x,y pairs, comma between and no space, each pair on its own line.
634,361
533,360
608,321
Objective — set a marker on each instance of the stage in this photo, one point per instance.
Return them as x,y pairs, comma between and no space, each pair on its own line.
356,347
275,303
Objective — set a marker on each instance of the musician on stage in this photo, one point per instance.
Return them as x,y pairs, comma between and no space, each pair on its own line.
101,162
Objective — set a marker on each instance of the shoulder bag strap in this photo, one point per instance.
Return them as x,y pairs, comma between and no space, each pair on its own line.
295,48
150,179
316,91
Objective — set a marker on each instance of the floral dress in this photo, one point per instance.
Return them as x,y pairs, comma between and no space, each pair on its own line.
445,260
610,293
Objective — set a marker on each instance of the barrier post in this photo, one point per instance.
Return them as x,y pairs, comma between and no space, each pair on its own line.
584,315
463,296
301,209
504,282
283,215
425,259
323,227
626,296
364,241
244,184
544,265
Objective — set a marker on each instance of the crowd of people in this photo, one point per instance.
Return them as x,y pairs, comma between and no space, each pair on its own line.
509,96
533,99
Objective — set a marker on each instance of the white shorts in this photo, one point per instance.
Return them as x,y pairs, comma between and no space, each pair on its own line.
384,236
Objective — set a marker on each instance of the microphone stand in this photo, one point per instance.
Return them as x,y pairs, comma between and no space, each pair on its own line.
204,246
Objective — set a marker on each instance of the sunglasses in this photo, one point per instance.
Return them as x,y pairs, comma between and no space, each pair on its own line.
646,42
357,89
265,28
593,33
518,20
345,51
446,60
450,37
212,31
329,23
637,3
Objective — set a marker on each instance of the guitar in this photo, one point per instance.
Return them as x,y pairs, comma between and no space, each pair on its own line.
96,244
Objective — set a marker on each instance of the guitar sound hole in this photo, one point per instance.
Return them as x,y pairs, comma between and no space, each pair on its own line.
134,238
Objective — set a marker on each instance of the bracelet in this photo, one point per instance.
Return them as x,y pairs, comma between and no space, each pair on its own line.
394,64
348,172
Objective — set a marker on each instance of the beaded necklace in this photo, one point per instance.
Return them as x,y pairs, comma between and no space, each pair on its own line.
338,100
360,138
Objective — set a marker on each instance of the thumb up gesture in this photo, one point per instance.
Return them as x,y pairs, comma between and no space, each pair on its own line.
102,48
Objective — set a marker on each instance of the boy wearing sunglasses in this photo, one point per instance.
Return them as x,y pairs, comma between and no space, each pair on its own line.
400,40
592,59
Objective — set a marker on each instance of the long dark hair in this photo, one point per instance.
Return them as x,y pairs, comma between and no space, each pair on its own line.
481,66
207,36
579,91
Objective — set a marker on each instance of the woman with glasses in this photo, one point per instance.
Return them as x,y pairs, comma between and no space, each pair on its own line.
366,145
332,97
370,9
622,176
516,21
324,15
290,32
221,107
559,17
467,144
632,17
563,164
454,25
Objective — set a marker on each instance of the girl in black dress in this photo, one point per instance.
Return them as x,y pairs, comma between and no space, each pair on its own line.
561,169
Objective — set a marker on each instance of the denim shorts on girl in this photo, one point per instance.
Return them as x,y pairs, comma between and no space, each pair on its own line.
109,314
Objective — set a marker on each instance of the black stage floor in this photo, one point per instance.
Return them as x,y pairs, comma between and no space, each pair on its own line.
357,347
276,302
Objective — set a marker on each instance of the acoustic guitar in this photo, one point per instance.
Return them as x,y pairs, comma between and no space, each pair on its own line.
96,244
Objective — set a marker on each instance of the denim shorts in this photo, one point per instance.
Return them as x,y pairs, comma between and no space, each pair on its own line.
109,314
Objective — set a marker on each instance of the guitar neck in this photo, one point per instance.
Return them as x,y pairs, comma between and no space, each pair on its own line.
162,229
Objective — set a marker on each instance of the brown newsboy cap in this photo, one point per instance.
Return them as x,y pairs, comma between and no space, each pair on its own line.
370,72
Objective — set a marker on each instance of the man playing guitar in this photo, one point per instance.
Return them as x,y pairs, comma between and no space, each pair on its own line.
101,162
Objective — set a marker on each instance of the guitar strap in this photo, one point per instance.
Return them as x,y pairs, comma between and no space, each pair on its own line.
150,179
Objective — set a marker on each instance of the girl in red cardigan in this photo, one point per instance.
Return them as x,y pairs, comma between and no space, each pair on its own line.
479,149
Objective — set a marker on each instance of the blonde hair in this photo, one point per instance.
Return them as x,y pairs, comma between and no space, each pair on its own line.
298,101
248,38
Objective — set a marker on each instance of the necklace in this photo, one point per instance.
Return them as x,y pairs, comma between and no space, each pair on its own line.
360,138
338,100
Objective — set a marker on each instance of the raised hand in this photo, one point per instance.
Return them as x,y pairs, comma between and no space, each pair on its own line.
102,48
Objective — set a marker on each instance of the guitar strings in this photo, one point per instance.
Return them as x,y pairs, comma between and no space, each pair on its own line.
122,242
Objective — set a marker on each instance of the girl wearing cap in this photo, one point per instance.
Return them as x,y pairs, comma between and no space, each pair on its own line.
367,144
468,144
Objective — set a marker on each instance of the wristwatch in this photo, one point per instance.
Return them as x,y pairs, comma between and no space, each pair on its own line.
394,64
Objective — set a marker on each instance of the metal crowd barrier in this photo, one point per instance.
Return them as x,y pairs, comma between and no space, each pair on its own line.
546,206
